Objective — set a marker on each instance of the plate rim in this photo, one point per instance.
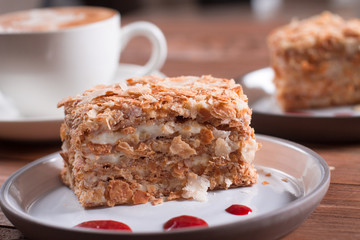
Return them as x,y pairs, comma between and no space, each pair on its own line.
321,189
241,80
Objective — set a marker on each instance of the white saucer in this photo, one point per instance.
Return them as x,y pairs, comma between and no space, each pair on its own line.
45,128
292,181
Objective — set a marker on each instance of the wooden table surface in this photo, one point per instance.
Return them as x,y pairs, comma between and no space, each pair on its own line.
227,46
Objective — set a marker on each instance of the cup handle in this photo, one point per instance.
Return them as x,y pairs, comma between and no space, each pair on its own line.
157,39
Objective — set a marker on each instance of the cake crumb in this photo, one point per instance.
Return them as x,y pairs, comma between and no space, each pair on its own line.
284,180
265,183
332,168
157,201
268,175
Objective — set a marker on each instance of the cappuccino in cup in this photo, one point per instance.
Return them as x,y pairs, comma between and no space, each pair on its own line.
51,53
42,20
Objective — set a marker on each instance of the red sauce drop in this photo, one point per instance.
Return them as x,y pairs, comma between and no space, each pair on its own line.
105,224
237,209
184,221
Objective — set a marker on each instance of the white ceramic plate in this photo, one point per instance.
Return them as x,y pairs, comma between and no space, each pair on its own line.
322,125
39,205
16,127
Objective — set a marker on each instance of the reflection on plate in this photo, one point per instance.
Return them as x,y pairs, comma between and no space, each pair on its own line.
321,125
15,127
292,181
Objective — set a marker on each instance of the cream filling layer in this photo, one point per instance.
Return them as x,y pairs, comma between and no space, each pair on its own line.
223,145
144,132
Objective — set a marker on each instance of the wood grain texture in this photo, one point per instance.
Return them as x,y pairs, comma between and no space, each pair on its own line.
224,47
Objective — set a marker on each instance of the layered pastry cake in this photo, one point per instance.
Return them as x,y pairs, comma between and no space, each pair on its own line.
316,62
154,139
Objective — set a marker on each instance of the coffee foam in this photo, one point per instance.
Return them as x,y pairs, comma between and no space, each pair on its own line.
50,19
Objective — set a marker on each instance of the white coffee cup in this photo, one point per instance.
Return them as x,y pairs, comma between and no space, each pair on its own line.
39,67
